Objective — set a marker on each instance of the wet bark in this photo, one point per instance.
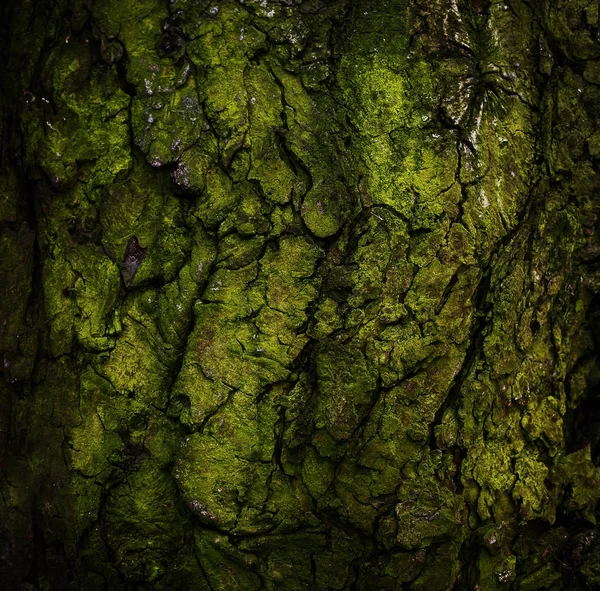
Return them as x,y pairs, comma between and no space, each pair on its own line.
299,295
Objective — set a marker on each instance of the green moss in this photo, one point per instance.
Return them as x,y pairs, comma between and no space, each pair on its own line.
530,489
165,129
251,216
268,159
138,366
323,209
145,522
578,471
223,473
543,578
317,473
92,445
439,572
315,294
89,122
591,569
81,291
143,228
346,384
496,571
327,319
427,514
219,198
224,566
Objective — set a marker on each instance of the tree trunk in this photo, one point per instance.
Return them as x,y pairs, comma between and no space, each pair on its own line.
300,295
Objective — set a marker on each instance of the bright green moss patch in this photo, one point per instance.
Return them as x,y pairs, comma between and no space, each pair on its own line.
345,384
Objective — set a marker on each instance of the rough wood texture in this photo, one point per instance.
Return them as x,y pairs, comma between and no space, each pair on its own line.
299,295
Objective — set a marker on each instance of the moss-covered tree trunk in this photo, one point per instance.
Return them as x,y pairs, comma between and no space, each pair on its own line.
299,294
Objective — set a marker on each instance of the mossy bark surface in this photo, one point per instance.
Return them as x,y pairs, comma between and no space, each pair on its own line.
300,295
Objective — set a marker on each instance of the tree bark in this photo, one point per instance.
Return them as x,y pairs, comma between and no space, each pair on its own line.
300,295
